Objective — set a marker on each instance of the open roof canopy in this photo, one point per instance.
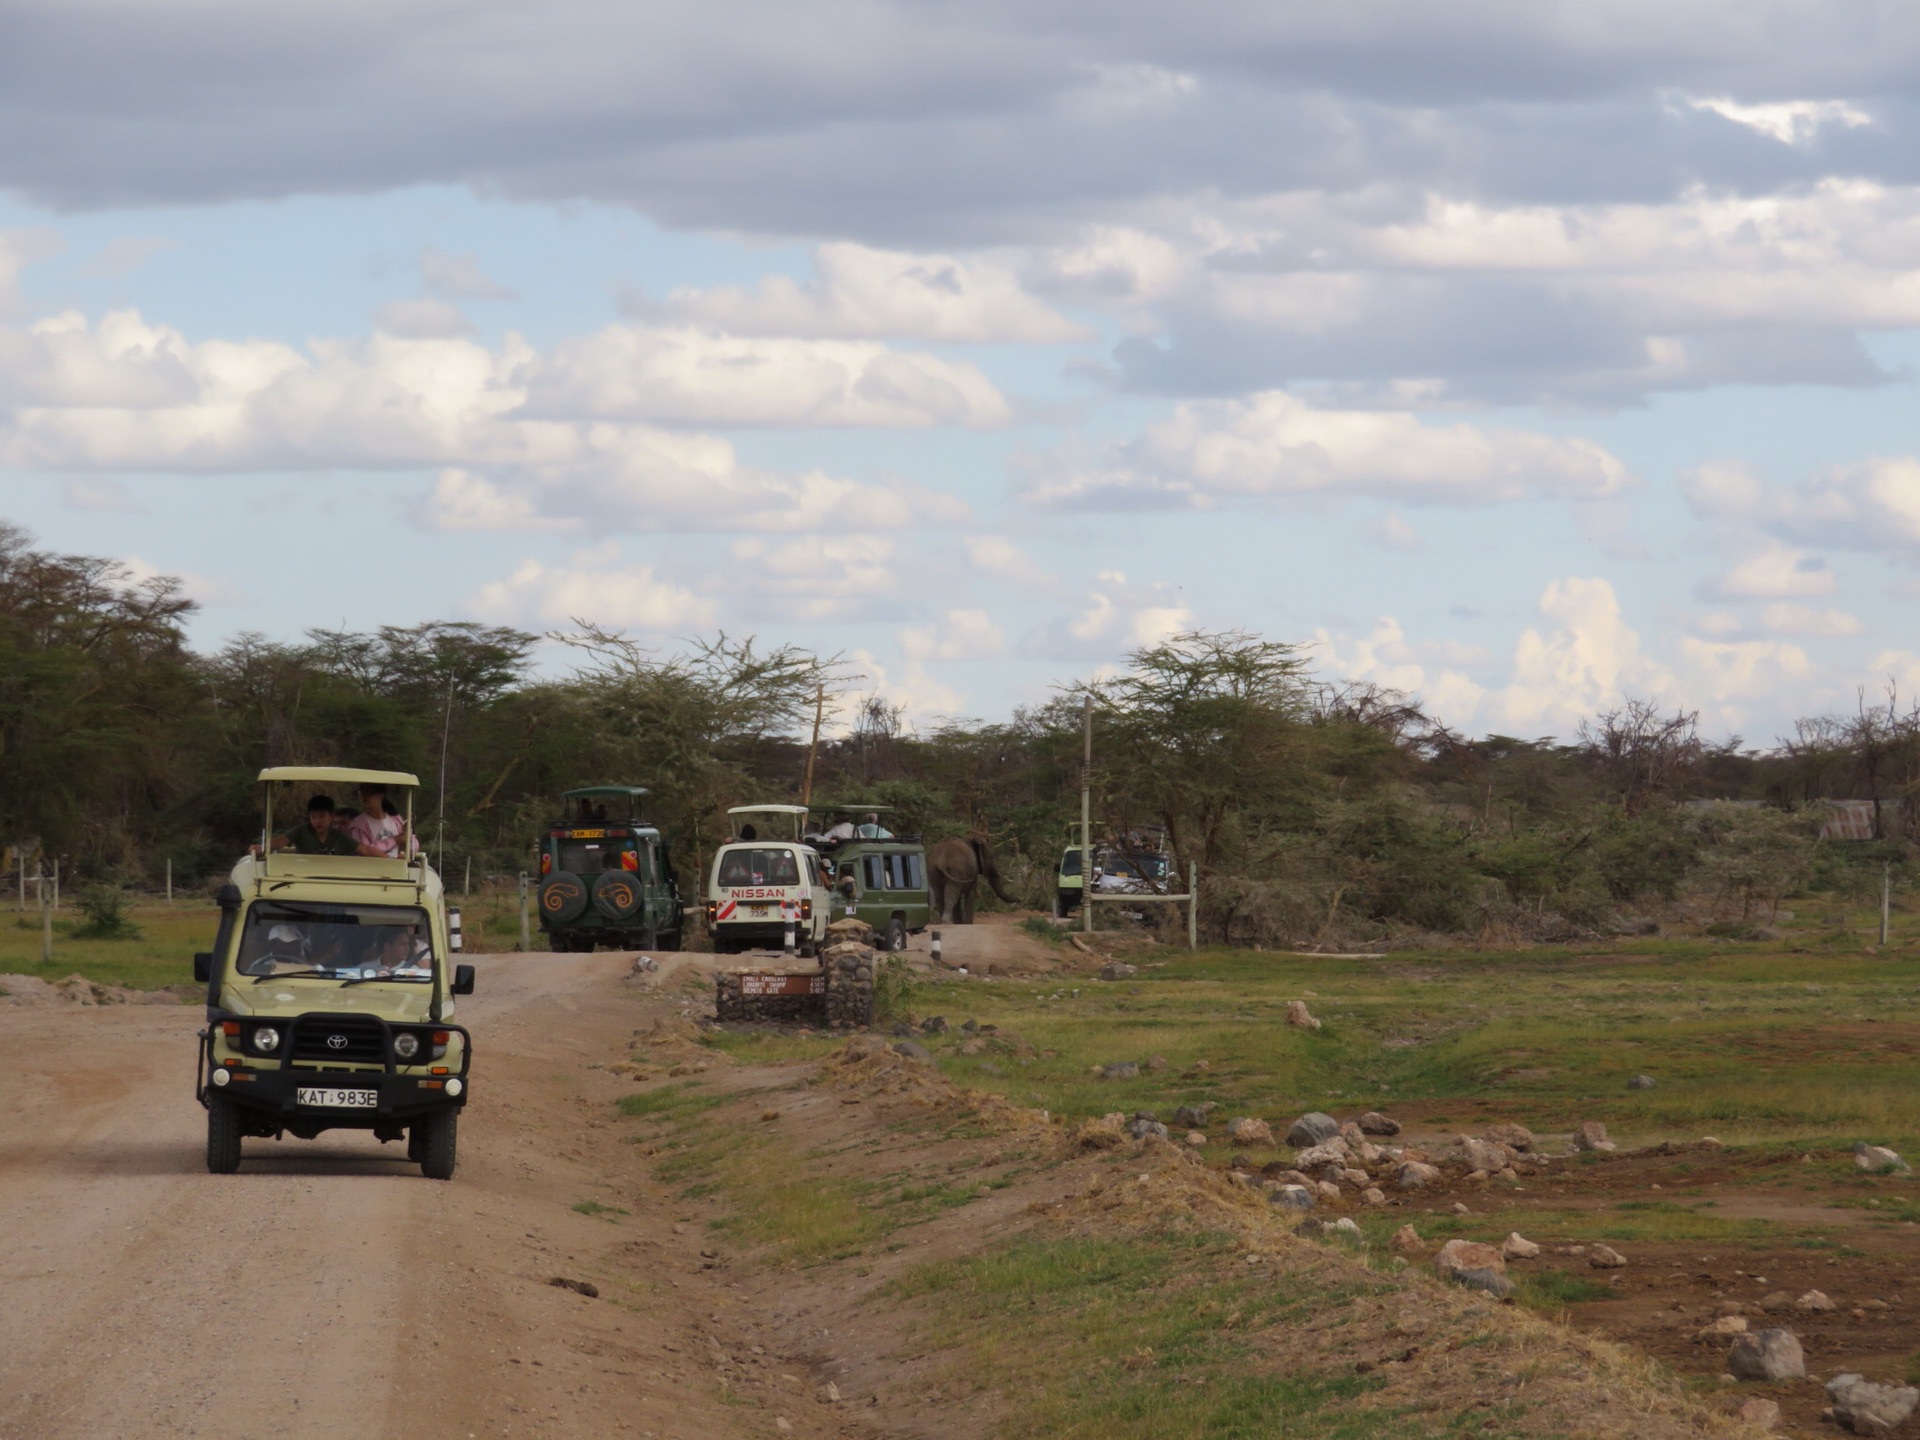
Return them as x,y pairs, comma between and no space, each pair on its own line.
605,792
337,775
767,809
856,809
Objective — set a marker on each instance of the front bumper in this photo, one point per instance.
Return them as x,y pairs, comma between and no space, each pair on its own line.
271,1093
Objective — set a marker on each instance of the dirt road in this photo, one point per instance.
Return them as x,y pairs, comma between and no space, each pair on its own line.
328,1290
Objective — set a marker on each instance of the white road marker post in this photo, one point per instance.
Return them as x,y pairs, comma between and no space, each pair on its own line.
526,934
936,946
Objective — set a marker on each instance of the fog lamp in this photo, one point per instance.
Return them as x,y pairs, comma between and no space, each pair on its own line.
220,1077
454,1087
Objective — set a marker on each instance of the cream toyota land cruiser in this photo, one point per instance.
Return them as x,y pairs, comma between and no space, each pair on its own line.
330,993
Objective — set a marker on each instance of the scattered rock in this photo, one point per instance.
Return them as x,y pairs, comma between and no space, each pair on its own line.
1117,970
1374,1123
1483,1155
1481,1267
1143,1124
1120,1070
1346,1225
1517,1247
1373,1195
1299,1017
1768,1355
1196,1139
1761,1414
1240,1162
1245,1130
1328,1191
1293,1197
1591,1135
1516,1138
1877,1159
1156,1063
913,1050
1813,1300
1193,1117
1407,1241
1412,1175
1865,1408
1719,1329
1776,1302
1605,1257
1460,1209
1312,1129
1331,1152
936,1026
579,1287
1642,1082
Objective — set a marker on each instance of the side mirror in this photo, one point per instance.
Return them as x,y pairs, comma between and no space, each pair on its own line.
463,979
203,966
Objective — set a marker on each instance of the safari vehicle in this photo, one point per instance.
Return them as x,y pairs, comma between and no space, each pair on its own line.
606,875
882,881
761,886
1070,884
330,995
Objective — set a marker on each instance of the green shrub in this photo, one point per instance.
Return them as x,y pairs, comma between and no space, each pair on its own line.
106,911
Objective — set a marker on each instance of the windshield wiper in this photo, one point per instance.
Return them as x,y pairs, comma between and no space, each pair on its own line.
288,975
363,979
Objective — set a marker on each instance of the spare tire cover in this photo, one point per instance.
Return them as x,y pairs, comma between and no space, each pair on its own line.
616,894
563,898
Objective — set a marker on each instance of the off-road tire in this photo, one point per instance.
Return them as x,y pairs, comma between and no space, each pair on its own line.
894,937
441,1141
223,1136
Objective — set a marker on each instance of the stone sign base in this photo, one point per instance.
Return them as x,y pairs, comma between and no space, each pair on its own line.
838,994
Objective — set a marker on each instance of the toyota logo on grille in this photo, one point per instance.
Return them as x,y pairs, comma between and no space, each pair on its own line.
336,1042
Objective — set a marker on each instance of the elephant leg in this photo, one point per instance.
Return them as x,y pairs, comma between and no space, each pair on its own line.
966,906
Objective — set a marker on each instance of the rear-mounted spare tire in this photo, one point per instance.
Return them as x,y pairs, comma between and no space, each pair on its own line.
563,898
616,895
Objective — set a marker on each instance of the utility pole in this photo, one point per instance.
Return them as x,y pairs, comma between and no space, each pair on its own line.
46,923
169,880
1193,905
819,705
526,933
1086,820
1886,900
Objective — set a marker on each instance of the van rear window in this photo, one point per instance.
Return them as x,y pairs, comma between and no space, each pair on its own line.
759,867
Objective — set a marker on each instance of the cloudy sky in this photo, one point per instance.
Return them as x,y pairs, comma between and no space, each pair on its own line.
1523,354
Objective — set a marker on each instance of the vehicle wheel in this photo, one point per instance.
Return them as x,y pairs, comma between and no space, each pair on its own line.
439,1144
562,898
223,1136
896,935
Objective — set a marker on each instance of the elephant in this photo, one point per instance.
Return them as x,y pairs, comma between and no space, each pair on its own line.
954,868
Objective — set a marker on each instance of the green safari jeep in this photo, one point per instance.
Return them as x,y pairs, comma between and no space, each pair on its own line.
606,875
881,878
330,996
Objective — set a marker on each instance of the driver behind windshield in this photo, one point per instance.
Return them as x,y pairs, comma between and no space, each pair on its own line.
402,952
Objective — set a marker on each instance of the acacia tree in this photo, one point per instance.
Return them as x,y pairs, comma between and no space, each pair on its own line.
1200,731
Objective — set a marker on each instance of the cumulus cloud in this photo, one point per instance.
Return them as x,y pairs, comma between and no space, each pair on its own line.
865,294
1825,623
594,587
1791,122
954,635
1111,617
1870,505
690,376
1273,446
124,394
823,577
1778,572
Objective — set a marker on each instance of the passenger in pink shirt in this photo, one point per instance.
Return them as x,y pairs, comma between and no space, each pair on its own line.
376,830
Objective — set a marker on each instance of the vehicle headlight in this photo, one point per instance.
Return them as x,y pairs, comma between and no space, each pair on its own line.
406,1045
266,1039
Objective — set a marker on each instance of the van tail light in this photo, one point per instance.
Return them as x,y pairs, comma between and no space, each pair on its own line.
713,909
806,908
546,864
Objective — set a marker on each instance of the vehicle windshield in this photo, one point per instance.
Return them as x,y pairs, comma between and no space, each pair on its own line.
1070,863
336,942
590,857
759,867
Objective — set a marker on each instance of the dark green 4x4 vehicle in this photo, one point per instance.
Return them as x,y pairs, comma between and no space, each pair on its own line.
877,875
606,875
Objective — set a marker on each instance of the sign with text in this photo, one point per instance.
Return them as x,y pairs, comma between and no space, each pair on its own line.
806,983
